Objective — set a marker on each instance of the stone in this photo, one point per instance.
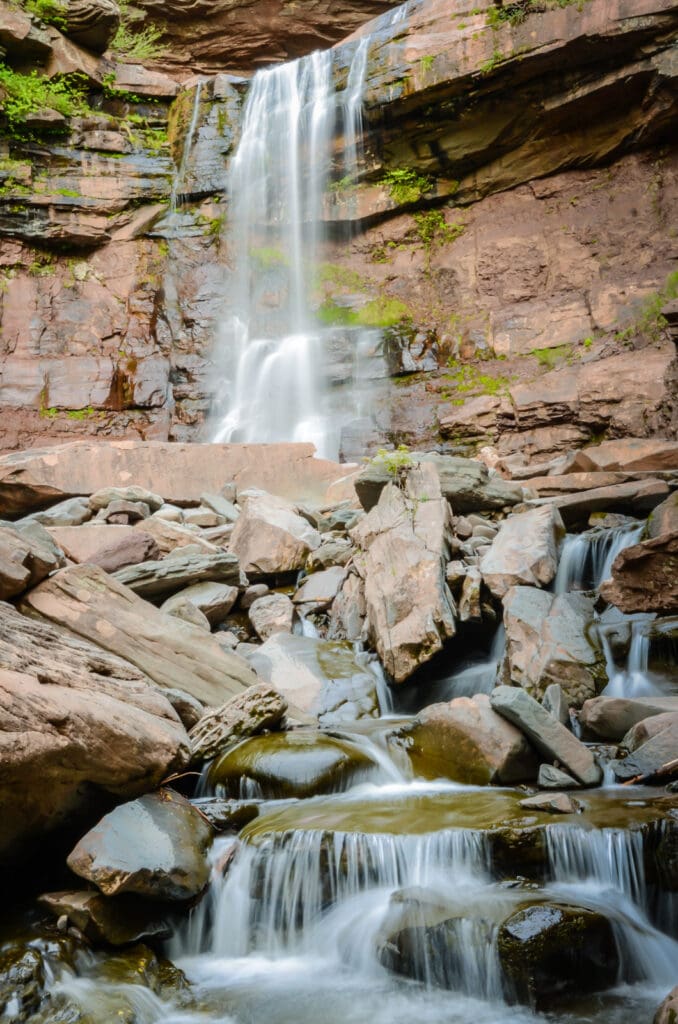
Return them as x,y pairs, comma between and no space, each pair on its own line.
169,535
610,718
72,512
132,495
663,519
257,709
549,737
349,611
525,551
557,803
135,547
550,638
320,588
469,608
271,614
550,951
269,536
651,744
635,454
637,498
202,516
92,23
289,764
155,846
132,511
667,1012
556,703
553,778
27,555
331,552
142,81
221,505
188,708
466,741
82,543
160,579
180,607
117,922
645,577
213,600
318,678
403,544
252,594
96,607
73,718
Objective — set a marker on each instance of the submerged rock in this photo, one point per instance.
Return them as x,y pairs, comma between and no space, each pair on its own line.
551,952
257,708
525,551
155,846
465,740
292,764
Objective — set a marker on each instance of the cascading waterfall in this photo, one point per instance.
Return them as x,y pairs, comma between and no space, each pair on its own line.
634,679
180,177
586,558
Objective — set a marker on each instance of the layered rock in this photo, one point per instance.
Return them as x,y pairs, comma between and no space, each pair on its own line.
259,708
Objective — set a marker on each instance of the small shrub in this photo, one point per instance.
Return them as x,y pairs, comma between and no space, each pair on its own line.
405,186
29,94
394,462
133,43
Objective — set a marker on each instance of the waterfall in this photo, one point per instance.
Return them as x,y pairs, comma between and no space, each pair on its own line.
180,177
586,558
634,680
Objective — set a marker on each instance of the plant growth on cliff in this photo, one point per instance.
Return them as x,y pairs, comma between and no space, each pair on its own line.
50,11
405,186
30,94
133,42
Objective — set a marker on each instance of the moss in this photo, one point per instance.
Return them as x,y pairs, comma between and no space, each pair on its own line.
405,186
426,63
650,322
380,312
333,273
49,11
551,357
132,42
467,378
80,414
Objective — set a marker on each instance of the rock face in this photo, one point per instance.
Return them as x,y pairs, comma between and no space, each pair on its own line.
645,576
270,537
465,740
74,719
525,551
549,737
256,709
550,639
86,601
403,549
155,846
92,23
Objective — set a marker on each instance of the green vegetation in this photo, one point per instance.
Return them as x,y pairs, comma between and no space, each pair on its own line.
490,65
80,414
468,378
49,11
134,43
344,277
43,264
587,342
380,312
344,184
426,63
30,94
650,322
392,461
405,186
268,257
433,229
515,13
69,192
550,357
48,413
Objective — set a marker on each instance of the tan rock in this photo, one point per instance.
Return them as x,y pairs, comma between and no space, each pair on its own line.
635,497
635,454
180,569
645,576
349,610
667,1012
271,614
92,23
257,709
556,803
269,536
651,744
95,606
465,740
610,718
214,600
663,519
27,555
81,543
170,535
321,588
525,551
136,547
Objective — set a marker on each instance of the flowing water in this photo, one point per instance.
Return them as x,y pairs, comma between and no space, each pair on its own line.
586,558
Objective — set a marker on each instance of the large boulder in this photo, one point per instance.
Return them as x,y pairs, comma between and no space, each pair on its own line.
610,718
270,537
550,639
551,738
645,576
74,719
319,678
465,740
214,600
27,555
155,846
258,708
157,580
549,952
271,614
403,550
93,605
525,551
650,746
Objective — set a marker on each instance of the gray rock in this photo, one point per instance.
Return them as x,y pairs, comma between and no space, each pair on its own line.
133,510
552,778
556,704
72,512
252,594
189,709
469,602
221,505
104,497
271,614
213,600
181,608
651,744
159,579
27,555
320,588
155,846
549,737
257,708
117,922
202,516
349,610
525,551
331,552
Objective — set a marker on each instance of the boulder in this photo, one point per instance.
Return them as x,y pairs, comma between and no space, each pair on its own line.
155,846
552,778
132,495
213,600
159,579
551,738
117,922
258,708
555,803
132,549
635,454
170,535
469,602
271,614
221,505
551,639
610,718
187,707
73,719
651,744
319,678
525,551
403,550
638,497
92,23
667,1011
289,764
349,610
320,588
331,552
93,605
645,576
549,952
72,512
663,519
83,543
270,537
252,594
181,608
466,741
556,703
27,555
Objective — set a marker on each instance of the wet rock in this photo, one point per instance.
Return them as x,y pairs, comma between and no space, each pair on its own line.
320,588
271,614
556,803
291,764
159,579
229,815
269,536
651,744
551,639
610,718
26,969
525,551
645,577
118,921
549,737
551,952
466,741
403,545
140,965
256,709
96,607
155,846
552,778
213,600
318,678
667,1012
72,717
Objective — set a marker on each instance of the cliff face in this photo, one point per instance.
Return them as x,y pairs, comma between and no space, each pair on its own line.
528,249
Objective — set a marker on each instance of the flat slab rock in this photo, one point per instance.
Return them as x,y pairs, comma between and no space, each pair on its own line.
156,580
155,846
